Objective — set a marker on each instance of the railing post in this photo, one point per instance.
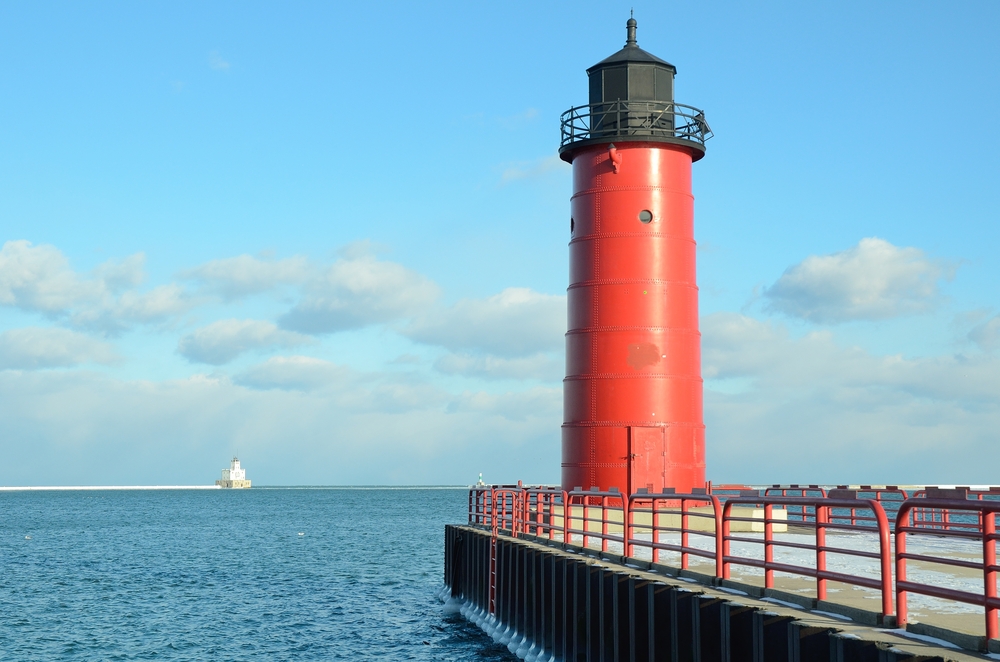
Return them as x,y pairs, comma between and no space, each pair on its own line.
768,550
684,533
885,556
566,513
717,518
493,508
604,524
822,515
629,548
552,516
655,527
725,539
902,521
989,574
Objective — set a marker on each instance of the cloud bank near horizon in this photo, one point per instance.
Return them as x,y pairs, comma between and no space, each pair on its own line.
440,391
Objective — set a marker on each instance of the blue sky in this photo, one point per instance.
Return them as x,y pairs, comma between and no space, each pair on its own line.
333,238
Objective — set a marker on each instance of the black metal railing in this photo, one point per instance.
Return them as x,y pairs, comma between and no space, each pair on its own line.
634,119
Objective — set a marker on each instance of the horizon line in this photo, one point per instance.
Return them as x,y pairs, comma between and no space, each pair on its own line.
67,488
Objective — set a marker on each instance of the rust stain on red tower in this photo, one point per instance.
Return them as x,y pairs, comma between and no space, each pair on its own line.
633,387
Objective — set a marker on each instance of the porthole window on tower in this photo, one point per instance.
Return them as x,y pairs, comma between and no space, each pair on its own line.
572,225
646,216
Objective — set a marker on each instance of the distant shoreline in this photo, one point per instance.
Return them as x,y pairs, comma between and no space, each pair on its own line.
72,488
67,488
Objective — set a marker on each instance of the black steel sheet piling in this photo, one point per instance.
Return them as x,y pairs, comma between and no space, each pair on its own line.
714,629
641,622
666,634
560,604
559,591
741,636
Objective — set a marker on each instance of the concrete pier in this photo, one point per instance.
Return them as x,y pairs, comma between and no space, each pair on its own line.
548,601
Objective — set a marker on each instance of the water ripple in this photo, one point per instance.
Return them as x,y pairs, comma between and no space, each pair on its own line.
225,575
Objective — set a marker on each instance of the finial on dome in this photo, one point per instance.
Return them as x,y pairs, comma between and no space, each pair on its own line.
630,41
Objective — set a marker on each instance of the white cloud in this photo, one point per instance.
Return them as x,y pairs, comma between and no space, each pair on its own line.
357,429
541,402
357,291
807,409
987,334
32,348
119,275
215,61
536,366
870,281
301,373
244,275
516,322
221,342
388,393
160,303
39,279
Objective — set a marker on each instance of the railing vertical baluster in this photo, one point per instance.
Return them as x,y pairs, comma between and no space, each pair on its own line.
654,521
604,524
821,519
628,530
567,510
989,574
768,549
684,534
726,527
901,603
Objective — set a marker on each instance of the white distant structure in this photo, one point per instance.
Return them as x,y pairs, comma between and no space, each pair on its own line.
234,476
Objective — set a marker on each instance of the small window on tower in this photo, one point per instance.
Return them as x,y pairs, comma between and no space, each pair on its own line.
572,226
646,216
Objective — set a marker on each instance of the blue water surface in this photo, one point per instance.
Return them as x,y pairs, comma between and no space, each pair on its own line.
259,574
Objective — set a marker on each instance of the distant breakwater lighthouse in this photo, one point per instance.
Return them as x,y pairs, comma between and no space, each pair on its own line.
633,387
234,476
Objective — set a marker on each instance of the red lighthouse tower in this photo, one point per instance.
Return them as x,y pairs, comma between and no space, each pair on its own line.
633,387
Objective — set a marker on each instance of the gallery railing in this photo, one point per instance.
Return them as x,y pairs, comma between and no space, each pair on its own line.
634,120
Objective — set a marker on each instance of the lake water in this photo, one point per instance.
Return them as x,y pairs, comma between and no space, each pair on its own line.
259,574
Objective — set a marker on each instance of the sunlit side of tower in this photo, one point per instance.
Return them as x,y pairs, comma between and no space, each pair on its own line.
633,387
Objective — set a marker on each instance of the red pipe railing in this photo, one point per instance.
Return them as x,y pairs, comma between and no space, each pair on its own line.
585,500
801,513
507,513
890,497
542,506
666,504
820,523
940,518
611,517
985,533
480,505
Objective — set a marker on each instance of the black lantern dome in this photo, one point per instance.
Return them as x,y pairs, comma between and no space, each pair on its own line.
632,99
632,74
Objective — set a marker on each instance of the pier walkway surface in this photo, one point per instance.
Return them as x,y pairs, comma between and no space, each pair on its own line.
927,569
